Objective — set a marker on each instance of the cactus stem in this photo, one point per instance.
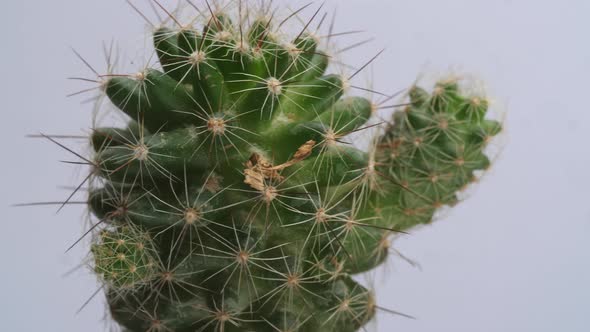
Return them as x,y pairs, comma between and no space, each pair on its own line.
234,197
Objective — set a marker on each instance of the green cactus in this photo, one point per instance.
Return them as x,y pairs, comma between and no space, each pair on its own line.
231,201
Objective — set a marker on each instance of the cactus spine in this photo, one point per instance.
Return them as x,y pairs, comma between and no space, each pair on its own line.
231,200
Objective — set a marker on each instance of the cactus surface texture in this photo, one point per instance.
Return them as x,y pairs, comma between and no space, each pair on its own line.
232,198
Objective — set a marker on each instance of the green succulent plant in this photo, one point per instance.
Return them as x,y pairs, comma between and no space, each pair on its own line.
232,198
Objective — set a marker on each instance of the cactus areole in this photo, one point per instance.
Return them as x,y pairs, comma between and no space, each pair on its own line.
232,198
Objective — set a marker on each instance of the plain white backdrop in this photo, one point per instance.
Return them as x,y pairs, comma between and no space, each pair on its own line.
514,257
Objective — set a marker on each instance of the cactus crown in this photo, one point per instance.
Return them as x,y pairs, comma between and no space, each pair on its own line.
233,200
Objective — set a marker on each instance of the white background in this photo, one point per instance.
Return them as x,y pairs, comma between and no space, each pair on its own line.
514,257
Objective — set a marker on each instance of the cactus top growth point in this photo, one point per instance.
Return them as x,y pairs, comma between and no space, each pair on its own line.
233,199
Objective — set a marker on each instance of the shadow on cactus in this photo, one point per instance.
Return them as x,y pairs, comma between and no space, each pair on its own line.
233,200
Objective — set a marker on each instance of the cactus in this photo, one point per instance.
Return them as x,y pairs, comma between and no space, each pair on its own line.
232,201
